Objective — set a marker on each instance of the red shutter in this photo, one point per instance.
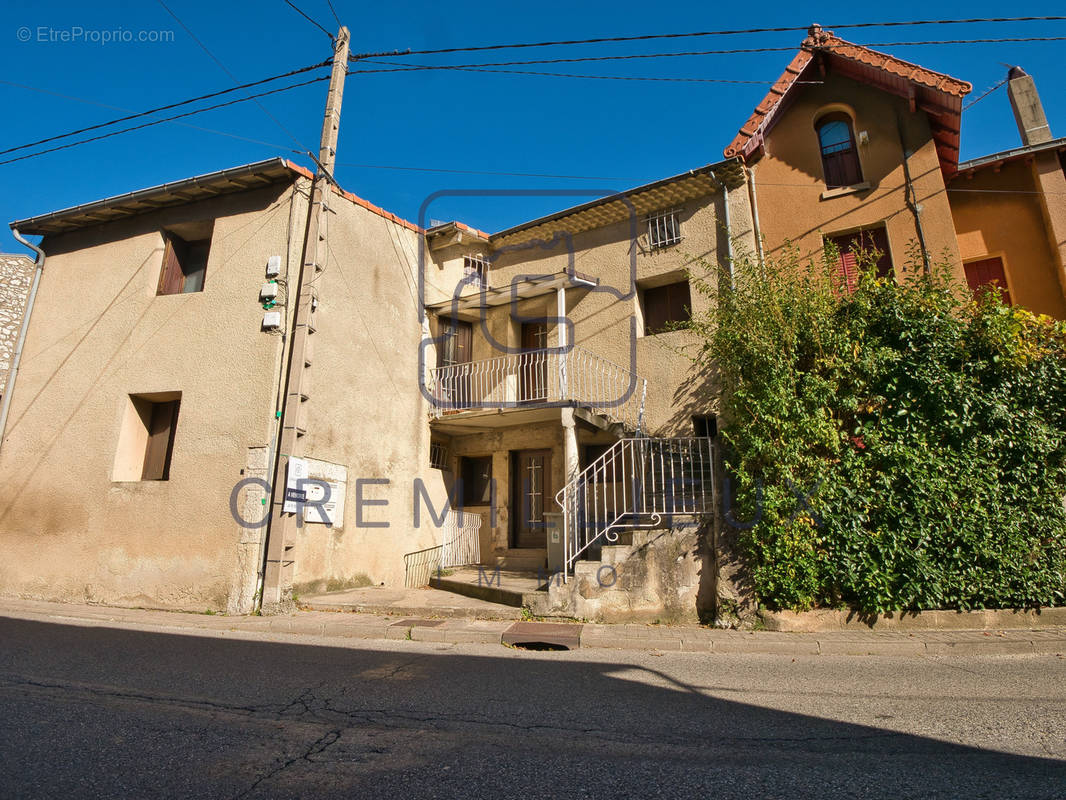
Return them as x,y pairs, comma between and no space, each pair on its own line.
987,272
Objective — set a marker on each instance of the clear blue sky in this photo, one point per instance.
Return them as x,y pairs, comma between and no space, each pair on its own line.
629,132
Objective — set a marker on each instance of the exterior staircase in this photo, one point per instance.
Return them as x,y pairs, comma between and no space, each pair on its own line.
639,483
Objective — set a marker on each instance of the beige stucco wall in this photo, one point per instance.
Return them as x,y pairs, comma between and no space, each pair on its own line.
790,182
98,333
365,410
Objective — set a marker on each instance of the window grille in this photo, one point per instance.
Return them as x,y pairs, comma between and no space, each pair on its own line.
479,266
438,456
664,229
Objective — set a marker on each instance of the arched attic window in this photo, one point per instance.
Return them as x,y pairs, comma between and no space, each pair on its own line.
840,156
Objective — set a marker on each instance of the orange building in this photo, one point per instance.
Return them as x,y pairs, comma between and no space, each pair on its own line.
857,147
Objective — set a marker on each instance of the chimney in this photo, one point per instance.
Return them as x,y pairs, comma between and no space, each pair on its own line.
1028,111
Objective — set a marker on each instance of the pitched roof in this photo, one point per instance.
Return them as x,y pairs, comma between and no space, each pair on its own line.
937,94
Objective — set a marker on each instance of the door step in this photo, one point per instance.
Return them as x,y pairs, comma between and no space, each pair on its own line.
519,589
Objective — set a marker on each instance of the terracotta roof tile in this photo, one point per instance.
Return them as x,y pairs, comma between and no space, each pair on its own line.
750,135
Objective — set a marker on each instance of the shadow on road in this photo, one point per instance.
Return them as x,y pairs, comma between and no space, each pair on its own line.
106,712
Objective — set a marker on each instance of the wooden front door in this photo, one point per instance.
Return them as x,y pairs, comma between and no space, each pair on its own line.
455,352
531,496
533,364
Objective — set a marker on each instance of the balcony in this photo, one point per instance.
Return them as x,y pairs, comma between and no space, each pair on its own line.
545,378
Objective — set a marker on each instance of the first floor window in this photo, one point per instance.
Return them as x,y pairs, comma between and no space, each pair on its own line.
988,272
667,306
853,251
184,265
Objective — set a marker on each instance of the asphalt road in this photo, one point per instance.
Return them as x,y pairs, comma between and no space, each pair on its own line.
103,712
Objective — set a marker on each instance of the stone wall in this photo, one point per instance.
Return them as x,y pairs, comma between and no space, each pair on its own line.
16,273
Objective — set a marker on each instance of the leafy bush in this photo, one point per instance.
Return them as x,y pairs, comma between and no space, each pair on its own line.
899,448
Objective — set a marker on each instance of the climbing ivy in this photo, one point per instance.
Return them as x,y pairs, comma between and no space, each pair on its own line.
902,447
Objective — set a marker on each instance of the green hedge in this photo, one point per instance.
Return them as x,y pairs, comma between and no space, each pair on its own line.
928,430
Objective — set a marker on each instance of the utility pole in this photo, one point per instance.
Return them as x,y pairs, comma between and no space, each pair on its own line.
281,530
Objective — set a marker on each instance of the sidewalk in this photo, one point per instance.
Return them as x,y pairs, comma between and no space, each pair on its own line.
556,635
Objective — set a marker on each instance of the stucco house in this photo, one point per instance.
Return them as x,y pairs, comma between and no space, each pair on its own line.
518,400
853,146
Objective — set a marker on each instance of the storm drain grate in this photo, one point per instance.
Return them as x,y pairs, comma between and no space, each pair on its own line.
543,636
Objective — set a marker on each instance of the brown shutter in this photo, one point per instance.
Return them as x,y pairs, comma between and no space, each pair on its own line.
171,279
160,441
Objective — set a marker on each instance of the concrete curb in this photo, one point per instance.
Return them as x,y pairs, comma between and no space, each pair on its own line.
839,620
555,635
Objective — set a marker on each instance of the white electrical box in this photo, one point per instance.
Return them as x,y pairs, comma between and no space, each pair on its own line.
271,320
273,266
268,291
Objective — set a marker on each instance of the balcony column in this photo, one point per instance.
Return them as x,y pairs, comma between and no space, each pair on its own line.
570,457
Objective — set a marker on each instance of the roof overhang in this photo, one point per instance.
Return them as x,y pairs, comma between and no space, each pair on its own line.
997,160
143,201
618,207
523,287
454,233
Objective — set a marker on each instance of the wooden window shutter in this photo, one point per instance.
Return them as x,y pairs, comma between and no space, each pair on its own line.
172,279
986,272
160,441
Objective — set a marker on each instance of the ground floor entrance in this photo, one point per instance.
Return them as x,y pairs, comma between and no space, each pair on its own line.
531,494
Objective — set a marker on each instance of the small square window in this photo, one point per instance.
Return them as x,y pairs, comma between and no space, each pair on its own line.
665,307
146,439
664,229
476,476
184,265
477,266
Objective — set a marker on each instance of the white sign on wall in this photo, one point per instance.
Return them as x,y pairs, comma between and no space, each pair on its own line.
331,512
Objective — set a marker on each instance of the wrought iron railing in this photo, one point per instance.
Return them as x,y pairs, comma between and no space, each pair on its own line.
637,483
568,376
462,539
460,546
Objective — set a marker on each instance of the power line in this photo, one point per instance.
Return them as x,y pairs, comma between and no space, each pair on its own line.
334,12
273,145
151,110
309,19
167,119
789,29
232,77
733,51
470,68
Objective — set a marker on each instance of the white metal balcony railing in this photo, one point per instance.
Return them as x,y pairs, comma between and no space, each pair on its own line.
460,546
637,483
574,376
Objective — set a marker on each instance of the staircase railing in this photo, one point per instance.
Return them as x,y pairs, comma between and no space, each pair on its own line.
637,483
574,376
